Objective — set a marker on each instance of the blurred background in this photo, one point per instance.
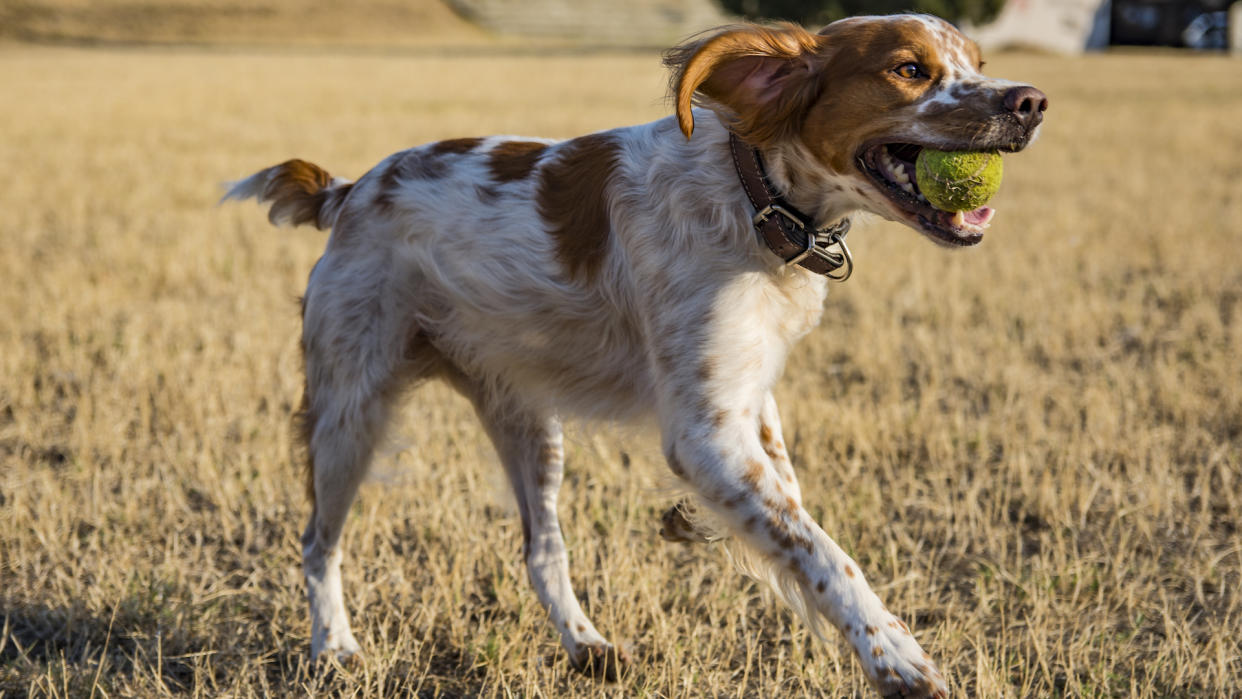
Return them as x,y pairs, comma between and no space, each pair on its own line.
1033,448
1062,25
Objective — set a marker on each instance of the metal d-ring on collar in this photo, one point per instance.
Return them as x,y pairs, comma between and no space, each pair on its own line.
787,232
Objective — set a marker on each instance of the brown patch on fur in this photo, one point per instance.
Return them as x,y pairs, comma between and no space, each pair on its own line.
821,586
784,537
514,160
411,165
877,652
735,501
550,453
719,418
705,371
849,572
771,445
573,199
754,474
455,146
871,630
799,572
763,77
299,191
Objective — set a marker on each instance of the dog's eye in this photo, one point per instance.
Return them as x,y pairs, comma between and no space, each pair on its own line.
909,71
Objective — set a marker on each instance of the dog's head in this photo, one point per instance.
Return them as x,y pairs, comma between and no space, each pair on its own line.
858,101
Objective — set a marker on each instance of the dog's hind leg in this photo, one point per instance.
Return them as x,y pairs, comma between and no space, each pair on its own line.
356,366
530,447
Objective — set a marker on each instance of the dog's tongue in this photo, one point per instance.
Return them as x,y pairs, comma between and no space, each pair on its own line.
980,216
972,220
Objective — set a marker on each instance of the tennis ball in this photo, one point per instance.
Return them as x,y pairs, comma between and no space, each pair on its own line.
958,181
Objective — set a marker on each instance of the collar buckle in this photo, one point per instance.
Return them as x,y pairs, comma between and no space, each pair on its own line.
786,231
819,241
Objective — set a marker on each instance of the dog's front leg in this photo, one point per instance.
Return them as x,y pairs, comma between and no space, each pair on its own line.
733,457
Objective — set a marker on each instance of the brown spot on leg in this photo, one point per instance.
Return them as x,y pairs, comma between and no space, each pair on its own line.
573,200
849,572
754,474
877,652
821,586
770,443
514,160
550,454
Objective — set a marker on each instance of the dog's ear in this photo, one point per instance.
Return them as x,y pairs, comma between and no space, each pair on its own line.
759,80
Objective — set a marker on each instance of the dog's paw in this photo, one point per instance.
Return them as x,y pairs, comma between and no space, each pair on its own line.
898,666
341,648
601,661
925,686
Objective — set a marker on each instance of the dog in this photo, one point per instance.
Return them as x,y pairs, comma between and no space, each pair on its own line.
665,269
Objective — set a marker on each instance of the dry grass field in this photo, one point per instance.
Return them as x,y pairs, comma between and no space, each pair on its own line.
1032,447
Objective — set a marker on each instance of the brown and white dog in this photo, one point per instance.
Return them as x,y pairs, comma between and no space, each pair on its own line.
620,274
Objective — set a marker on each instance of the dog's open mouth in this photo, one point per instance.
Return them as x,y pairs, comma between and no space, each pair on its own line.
891,168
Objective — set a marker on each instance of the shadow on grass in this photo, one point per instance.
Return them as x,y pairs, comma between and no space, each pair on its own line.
145,645
146,649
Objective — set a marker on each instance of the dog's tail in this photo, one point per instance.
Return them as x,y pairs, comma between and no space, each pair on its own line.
300,192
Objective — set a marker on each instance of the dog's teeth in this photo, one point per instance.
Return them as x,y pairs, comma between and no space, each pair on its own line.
907,186
901,176
959,219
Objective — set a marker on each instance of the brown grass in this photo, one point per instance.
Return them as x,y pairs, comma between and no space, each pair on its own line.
357,23
1032,448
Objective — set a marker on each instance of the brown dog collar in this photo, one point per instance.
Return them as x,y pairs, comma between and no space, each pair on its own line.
790,234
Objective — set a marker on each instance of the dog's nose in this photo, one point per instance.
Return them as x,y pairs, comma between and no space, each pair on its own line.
1028,104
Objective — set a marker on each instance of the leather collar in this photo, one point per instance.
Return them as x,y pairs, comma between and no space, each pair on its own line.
789,233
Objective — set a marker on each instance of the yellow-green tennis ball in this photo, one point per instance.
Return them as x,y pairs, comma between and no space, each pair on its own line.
958,181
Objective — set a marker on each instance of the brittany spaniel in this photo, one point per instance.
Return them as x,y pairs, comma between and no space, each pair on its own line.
664,269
